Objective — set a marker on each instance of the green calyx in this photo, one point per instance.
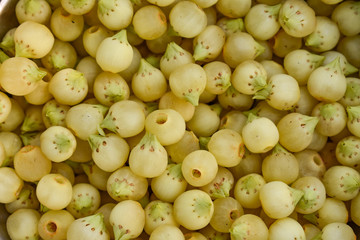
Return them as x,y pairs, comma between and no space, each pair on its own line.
221,189
22,50
173,51
308,200
290,19
114,92
149,142
107,123
239,231
259,49
349,69
101,108
296,195
231,91
234,25
175,171
352,90
351,183
192,97
201,51
353,113
54,114
83,204
251,117
259,82
24,195
264,92
159,210
78,4
145,68
32,6
250,182
274,10
348,146
254,111
28,137
31,125
62,142
95,141
77,79
328,111
34,74
3,56
58,61
120,233
105,6
334,66
309,123
121,37
316,60
121,189
8,44
279,149
314,40
202,206
223,81
95,221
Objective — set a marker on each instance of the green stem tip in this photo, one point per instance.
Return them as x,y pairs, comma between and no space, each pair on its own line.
353,113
